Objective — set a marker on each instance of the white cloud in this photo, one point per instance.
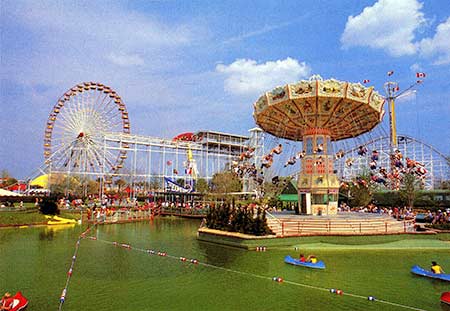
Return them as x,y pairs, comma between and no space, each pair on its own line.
246,76
439,45
265,29
416,68
90,41
125,60
93,21
388,24
409,95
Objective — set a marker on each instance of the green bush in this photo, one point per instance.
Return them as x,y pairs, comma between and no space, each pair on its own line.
445,226
48,206
238,219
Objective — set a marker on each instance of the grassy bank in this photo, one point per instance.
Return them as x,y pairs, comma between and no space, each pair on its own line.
10,218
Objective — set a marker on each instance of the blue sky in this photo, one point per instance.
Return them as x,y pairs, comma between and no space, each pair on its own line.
199,65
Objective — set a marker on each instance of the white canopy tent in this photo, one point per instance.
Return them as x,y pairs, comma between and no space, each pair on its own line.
7,193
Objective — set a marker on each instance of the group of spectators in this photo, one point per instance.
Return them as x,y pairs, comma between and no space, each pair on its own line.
438,217
400,213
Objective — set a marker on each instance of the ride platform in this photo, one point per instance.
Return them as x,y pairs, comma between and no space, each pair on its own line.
285,224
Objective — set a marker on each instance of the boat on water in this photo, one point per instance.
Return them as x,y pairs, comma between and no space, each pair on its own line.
422,272
19,302
445,298
296,262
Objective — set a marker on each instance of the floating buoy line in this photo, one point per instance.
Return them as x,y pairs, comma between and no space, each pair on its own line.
194,261
62,298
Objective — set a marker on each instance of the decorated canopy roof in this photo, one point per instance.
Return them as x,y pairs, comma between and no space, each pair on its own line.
345,109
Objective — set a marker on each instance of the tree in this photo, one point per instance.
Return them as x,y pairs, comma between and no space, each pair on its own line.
409,189
93,187
201,185
61,185
224,183
445,184
360,191
155,183
7,180
274,188
120,183
5,174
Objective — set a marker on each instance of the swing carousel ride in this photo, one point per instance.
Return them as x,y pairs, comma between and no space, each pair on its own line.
317,112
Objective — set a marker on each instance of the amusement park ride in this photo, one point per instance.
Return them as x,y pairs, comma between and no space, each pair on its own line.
317,112
88,135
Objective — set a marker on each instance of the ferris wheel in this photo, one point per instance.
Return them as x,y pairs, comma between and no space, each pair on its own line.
74,135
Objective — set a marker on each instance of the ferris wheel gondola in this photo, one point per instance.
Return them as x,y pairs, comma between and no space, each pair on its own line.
74,138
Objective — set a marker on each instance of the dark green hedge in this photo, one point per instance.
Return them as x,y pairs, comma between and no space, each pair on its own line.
238,219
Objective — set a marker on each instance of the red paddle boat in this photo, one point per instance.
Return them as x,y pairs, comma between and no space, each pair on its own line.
445,298
17,302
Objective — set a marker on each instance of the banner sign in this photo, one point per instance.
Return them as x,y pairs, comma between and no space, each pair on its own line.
172,186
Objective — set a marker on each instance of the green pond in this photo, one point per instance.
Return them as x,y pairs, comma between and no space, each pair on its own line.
107,277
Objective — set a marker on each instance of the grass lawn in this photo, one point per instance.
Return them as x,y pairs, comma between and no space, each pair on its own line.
30,217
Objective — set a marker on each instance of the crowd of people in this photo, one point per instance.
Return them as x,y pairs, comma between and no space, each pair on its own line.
400,213
438,217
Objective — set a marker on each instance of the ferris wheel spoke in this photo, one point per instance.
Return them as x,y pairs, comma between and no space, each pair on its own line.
66,115
100,103
98,156
104,100
68,120
73,115
65,131
113,123
104,160
63,156
110,106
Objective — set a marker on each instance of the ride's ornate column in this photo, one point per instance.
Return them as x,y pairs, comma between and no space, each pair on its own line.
318,185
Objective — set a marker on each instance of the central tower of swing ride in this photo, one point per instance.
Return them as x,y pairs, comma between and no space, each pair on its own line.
326,126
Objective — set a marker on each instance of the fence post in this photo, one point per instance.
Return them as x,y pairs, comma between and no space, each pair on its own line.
282,229
360,228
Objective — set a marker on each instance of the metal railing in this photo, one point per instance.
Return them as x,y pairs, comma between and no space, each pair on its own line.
286,228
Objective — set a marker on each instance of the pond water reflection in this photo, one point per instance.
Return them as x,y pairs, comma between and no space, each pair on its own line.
106,277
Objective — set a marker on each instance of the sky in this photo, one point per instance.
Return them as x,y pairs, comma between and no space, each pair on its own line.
184,66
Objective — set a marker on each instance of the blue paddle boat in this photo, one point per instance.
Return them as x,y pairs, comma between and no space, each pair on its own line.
440,276
296,262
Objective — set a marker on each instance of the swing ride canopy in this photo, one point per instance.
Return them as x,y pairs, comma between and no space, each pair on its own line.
344,109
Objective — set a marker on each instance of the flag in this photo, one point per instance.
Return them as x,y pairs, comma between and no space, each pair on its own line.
420,74
396,89
419,81
366,81
390,73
